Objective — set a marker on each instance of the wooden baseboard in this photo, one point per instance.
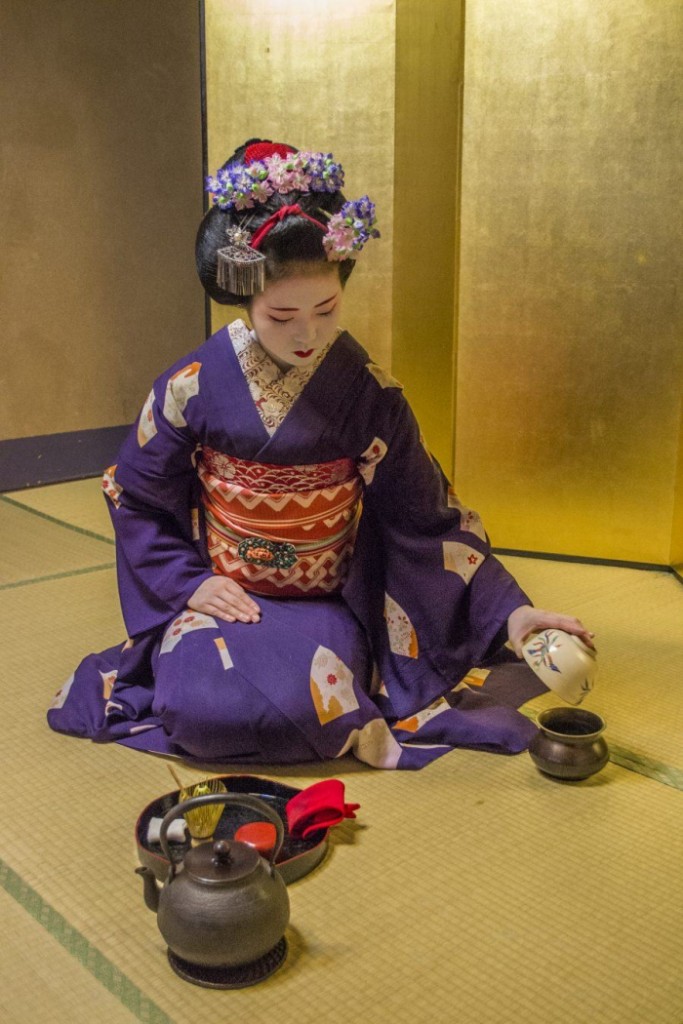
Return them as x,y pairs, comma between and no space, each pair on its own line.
54,458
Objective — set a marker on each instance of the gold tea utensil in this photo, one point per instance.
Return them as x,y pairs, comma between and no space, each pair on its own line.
201,821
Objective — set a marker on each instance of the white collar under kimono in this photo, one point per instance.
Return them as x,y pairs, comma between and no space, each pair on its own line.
273,390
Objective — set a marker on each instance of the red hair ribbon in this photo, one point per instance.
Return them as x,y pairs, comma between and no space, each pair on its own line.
284,211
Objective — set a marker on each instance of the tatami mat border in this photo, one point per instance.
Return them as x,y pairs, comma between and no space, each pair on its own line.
58,576
53,519
656,770
79,947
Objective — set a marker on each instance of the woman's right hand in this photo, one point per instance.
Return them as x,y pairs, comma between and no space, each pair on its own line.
224,599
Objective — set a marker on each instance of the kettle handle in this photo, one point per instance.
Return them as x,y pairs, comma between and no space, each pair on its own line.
244,799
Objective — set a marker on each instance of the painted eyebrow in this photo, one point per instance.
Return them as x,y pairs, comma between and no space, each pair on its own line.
295,309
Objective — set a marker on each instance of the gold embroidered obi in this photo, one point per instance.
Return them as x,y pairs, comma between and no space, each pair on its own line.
287,531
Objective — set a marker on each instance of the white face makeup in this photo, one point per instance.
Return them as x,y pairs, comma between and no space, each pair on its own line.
297,317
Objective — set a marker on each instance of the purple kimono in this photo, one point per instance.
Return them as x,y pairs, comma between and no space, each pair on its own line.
375,666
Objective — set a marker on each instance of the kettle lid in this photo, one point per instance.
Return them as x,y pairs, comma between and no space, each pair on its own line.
220,863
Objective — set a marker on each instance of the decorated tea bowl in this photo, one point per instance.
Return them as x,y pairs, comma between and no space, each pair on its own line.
563,662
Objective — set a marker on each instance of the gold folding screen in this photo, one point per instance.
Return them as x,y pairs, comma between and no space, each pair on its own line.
570,370
568,428
429,46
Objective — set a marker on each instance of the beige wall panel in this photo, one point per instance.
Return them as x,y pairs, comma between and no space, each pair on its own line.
319,75
429,50
569,372
101,140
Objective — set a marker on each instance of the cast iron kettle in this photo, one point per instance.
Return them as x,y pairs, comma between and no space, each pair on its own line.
227,906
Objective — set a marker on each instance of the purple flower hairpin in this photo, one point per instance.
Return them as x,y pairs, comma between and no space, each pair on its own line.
241,186
349,230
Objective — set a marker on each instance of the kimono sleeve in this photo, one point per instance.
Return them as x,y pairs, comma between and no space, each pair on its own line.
152,493
446,598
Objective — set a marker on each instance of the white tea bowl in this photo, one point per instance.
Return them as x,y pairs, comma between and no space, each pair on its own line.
563,662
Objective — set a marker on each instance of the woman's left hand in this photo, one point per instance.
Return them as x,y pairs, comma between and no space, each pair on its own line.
525,620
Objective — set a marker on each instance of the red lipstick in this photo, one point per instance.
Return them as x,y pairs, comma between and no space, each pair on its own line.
303,353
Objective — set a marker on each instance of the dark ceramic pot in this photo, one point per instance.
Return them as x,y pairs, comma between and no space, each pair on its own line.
569,744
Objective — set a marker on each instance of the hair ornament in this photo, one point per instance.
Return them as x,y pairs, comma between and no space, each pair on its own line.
266,170
240,269
349,230
271,168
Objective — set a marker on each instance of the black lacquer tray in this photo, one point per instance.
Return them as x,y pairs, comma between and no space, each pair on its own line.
296,858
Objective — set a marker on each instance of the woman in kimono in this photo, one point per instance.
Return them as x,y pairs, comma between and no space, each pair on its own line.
297,579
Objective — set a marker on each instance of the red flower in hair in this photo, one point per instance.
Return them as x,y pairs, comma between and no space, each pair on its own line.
262,150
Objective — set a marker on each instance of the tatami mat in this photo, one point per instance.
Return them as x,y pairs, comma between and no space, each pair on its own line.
475,891
80,503
34,547
43,982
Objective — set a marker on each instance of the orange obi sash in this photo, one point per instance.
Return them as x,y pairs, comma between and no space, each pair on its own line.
287,531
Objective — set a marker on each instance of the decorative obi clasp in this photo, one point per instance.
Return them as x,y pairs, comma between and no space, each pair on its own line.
285,531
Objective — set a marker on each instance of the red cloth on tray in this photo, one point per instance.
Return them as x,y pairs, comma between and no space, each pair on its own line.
318,806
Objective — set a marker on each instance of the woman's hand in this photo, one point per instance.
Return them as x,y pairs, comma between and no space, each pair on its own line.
224,599
525,620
